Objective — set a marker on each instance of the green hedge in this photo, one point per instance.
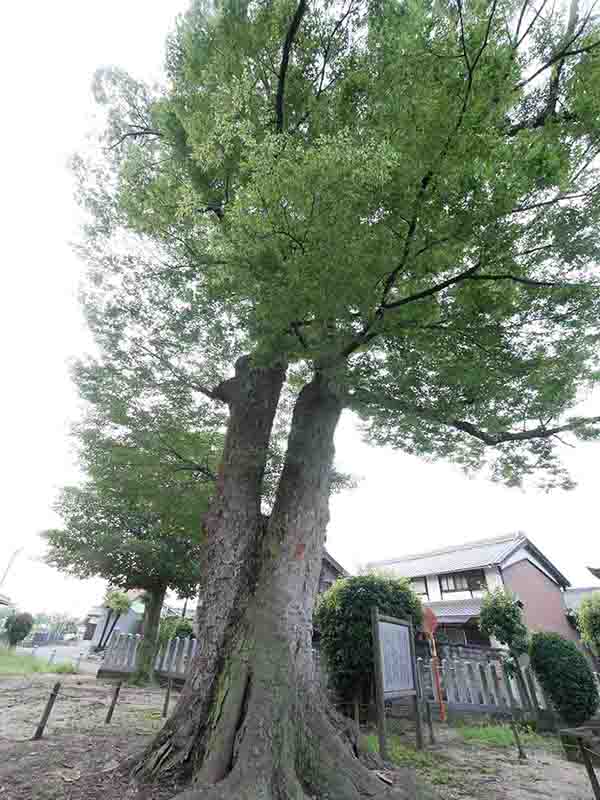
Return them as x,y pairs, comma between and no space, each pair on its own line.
343,621
565,676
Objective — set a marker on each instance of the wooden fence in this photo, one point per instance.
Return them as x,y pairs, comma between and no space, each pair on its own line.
482,687
171,661
474,686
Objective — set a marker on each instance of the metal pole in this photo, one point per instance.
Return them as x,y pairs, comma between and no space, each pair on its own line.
167,698
379,685
590,768
44,718
113,703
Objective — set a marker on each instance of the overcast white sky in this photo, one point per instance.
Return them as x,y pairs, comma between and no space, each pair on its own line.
48,54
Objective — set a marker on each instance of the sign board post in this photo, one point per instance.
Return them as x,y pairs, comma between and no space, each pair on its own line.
395,670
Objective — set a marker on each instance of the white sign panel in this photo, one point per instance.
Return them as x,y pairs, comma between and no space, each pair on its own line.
396,656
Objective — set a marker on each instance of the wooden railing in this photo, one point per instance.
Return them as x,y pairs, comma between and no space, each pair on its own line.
477,686
171,661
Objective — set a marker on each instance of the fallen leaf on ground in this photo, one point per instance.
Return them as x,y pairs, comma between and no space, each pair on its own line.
68,775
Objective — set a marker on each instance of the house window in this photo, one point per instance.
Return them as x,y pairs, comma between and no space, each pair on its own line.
419,586
473,581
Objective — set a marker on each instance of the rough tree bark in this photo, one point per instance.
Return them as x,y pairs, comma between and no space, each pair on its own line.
233,528
148,645
267,733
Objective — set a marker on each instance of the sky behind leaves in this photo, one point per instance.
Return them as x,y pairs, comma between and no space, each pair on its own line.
48,56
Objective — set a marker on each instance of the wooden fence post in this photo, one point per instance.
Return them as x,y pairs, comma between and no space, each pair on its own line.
488,697
379,685
532,693
167,697
418,722
589,767
356,709
429,721
113,703
522,754
46,713
511,697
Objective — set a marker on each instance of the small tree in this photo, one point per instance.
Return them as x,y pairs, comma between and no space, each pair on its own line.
589,621
170,627
117,603
17,627
501,617
565,676
343,618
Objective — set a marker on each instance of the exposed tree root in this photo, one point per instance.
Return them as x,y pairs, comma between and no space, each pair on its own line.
308,753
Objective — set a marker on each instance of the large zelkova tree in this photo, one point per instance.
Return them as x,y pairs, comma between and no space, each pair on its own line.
390,207
135,520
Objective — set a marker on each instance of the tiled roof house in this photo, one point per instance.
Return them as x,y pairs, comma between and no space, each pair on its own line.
453,580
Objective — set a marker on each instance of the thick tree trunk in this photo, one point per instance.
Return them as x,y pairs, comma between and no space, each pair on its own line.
146,653
267,733
233,529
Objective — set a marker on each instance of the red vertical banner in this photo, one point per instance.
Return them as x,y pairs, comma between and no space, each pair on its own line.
430,624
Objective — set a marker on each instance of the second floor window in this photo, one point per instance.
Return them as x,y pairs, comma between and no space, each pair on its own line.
473,581
419,586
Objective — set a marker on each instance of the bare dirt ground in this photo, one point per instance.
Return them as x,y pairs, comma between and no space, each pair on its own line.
486,772
78,756
462,770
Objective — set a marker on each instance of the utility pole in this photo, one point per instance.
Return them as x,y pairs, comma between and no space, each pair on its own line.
11,561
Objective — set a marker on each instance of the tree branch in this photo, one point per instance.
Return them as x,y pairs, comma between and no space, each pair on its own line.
541,432
135,133
560,56
438,287
285,60
213,394
530,281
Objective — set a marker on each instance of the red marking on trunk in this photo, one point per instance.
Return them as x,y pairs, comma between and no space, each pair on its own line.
300,548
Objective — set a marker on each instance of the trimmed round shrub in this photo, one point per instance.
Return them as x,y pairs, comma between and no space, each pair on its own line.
565,676
343,621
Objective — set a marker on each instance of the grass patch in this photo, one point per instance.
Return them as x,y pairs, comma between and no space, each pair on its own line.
433,766
502,736
12,663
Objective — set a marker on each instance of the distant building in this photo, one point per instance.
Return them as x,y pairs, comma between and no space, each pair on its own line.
331,570
131,622
453,580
